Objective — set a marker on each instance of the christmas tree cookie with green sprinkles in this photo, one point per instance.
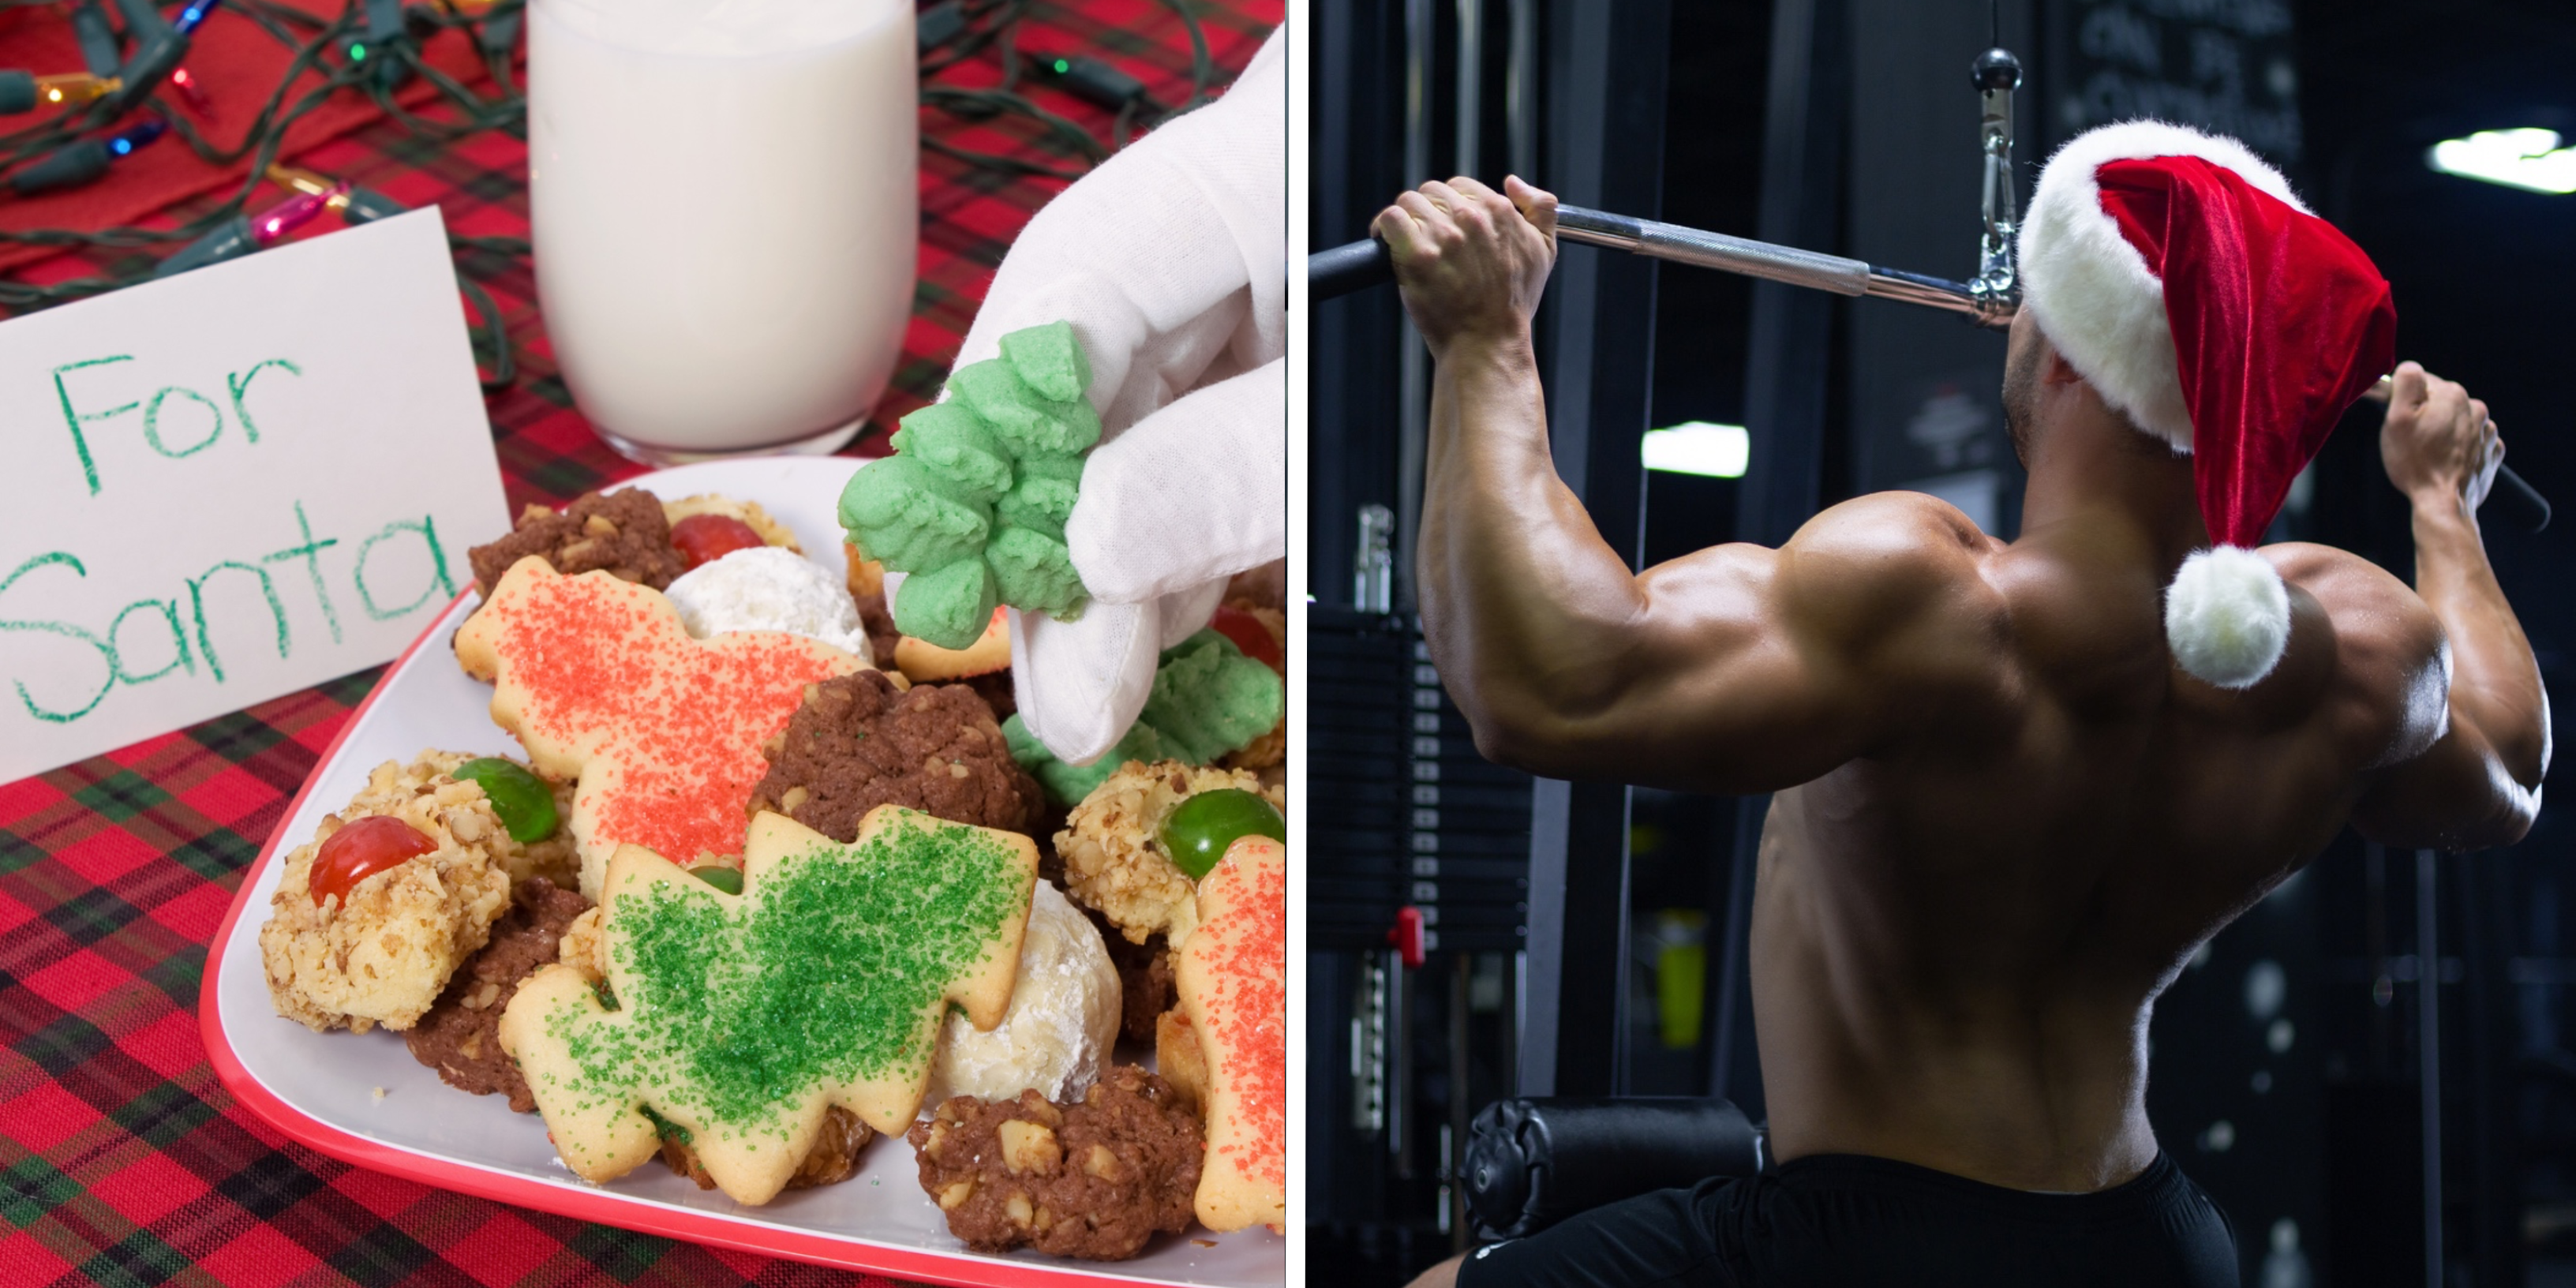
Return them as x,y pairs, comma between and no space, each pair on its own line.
973,503
740,1021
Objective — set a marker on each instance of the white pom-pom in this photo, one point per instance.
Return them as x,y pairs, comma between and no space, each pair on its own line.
2227,616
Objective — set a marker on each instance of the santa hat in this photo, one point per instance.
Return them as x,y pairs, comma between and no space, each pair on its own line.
2180,276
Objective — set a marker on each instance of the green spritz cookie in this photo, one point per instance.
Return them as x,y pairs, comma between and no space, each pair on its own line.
1050,360
1208,699
1035,571
1041,497
1030,422
1069,783
988,479
953,601
906,514
953,443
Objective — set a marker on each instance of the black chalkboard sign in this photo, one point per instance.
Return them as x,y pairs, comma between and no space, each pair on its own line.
2222,65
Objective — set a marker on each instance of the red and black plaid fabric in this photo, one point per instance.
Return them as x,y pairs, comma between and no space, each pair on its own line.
122,1160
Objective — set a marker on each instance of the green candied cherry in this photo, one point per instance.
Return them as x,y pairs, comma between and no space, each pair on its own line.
1197,833
721,877
523,800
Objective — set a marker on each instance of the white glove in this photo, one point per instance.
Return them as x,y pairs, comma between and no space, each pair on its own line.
1171,262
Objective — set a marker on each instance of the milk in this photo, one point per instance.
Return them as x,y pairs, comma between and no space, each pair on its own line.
726,209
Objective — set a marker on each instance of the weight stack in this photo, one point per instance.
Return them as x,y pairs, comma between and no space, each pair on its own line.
1402,812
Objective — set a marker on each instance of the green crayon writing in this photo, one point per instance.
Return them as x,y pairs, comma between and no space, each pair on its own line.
226,595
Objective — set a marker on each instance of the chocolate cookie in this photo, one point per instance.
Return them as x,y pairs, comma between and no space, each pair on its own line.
1144,978
859,742
621,533
834,1157
878,621
460,1036
994,687
1094,1180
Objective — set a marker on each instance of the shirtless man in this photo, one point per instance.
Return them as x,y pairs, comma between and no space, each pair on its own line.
2003,818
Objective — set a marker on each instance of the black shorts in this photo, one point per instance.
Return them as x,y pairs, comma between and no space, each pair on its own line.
1849,1220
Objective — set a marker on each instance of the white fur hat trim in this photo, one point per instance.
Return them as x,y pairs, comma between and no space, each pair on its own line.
2090,291
2227,616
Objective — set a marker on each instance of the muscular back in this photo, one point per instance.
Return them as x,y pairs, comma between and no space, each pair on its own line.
1960,930
2003,817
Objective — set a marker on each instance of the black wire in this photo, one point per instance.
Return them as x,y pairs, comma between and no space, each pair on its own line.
992,161
495,336
1202,67
325,50
971,40
259,131
1118,129
503,247
986,104
1001,35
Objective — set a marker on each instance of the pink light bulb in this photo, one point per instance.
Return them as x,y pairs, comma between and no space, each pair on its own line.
293,213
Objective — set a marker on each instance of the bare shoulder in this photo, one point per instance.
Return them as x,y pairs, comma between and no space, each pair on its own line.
1893,586
2391,673
1877,560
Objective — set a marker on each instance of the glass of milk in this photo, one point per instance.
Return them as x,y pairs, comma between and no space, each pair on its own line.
725,198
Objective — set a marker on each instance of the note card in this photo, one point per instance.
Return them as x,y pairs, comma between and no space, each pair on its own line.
231,485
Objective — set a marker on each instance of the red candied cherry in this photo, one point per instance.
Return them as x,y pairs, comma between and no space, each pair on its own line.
362,849
705,538
1251,636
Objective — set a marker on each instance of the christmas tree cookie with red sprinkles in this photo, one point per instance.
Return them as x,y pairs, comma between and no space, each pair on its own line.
736,1023
599,680
1233,980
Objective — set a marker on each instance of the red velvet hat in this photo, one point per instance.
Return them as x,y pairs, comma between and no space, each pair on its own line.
2181,277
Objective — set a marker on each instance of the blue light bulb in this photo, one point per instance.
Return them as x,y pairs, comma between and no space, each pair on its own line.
194,14
125,141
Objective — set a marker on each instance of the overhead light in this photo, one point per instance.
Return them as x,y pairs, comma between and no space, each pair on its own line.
1698,447
2528,159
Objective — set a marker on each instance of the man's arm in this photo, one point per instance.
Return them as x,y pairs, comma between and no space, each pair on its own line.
2478,783
1735,669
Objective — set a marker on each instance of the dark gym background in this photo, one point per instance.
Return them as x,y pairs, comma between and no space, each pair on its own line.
1478,934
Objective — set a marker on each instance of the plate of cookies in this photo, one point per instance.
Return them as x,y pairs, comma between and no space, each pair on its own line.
667,883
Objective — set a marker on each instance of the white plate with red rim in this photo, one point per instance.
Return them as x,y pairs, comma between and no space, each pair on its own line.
362,1098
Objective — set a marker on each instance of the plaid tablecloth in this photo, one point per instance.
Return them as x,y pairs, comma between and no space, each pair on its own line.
122,1161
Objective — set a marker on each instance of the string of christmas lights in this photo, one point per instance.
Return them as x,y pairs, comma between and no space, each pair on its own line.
374,47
